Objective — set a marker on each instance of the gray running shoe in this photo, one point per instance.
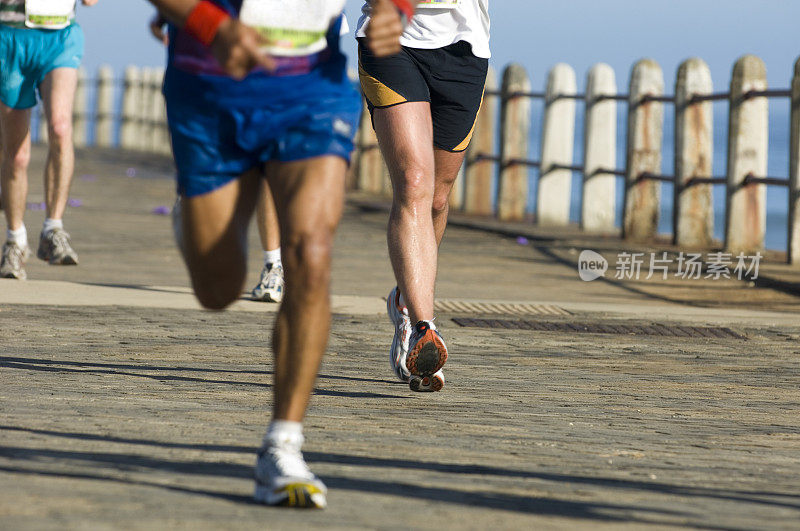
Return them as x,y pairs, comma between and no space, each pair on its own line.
54,248
283,478
14,257
270,287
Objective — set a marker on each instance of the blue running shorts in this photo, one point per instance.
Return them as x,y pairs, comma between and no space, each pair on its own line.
216,140
28,55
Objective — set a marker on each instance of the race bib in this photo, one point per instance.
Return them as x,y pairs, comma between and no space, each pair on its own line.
292,27
438,4
49,14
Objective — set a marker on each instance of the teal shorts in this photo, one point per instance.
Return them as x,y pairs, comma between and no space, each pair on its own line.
28,55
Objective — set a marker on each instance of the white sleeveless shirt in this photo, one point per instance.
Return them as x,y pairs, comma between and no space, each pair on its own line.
440,23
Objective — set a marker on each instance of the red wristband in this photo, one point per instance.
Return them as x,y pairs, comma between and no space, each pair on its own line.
405,7
204,21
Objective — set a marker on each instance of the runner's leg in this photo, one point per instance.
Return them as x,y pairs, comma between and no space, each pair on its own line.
16,140
214,227
309,197
267,219
448,164
405,133
58,94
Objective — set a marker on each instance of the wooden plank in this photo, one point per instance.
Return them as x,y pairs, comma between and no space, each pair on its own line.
80,119
558,138
793,253
598,207
515,129
479,174
104,121
693,216
131,103
746,215
645,131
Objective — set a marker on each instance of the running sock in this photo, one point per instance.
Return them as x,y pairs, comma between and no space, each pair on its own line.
285,428
19,236
52,224
272,258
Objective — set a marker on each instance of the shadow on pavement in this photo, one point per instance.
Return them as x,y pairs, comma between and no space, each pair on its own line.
33,364
495,500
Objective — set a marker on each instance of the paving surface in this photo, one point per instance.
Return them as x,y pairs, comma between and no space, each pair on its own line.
125,406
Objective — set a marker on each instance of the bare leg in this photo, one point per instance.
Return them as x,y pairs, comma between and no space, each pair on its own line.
309,197
215,239
16,141
405,134
447,167
267,219
58,94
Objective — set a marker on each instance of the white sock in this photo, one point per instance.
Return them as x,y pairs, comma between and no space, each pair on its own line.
272,257
284,430
52,224
19,236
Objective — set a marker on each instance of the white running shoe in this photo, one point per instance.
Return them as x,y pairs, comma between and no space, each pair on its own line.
270,286
402,333
427,384
54,248
13,261
282,476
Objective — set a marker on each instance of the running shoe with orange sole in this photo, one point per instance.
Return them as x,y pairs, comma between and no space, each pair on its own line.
427,353
427,384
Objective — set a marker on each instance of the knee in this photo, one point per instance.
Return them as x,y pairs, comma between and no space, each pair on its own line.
216,296
60,131
441,203
441,197
308,260
216,289
414,187
20,160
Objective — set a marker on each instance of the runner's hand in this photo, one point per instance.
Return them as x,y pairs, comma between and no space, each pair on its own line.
89,2
237,48
384,29
157,24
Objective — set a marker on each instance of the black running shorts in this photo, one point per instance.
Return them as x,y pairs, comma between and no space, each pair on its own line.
451,79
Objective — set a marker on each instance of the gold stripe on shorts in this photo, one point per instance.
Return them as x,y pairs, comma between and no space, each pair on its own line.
378,94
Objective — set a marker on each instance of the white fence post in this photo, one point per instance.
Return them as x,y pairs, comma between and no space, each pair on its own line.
645,132
793,253
131,103
104,117
558,138
693,215
479,173
515,127
598,207
746,214
80,119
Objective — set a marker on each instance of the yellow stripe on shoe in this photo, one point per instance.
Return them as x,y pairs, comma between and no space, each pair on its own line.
302,495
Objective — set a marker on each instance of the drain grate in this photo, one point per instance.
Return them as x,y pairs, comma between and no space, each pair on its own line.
497,308
595,328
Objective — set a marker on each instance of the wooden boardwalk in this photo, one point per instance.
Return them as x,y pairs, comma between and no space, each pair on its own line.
124,406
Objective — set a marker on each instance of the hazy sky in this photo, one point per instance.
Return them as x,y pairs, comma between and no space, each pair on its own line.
540,33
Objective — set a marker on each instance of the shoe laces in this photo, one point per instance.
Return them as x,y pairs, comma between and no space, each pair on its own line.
272,277
59,237
13,254
286,455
